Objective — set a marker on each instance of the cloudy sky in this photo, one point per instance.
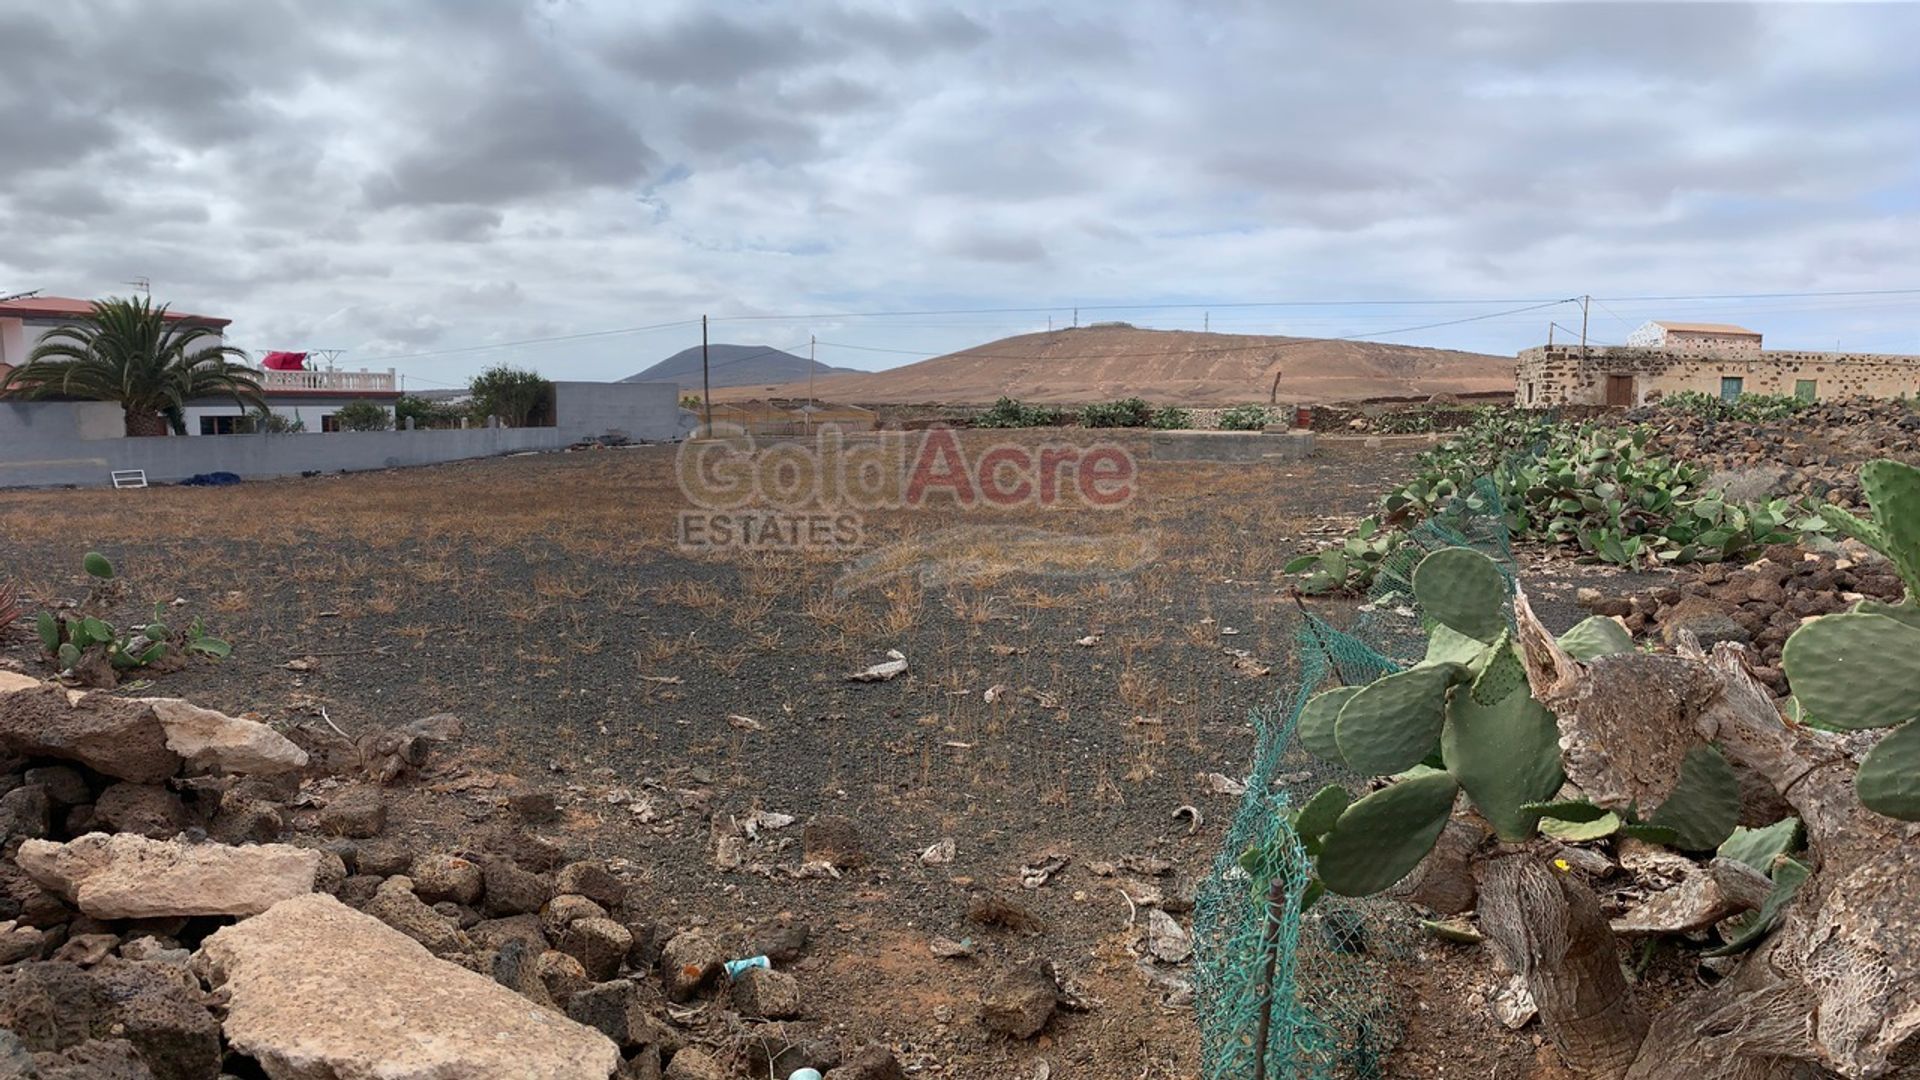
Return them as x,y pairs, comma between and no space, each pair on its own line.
407,178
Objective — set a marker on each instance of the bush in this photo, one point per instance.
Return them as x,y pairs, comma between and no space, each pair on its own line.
1171,418
363,416
266,422
1126,413
425,413
1246,418
1010,413
519,398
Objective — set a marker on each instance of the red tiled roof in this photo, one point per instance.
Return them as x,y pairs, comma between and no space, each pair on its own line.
66,307
1724,329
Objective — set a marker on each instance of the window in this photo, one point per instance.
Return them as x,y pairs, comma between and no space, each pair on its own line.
225,425
1529,393
1730,387
330,422
1803,389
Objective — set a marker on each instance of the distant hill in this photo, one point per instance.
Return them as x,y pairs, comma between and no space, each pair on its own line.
733,365
1166,367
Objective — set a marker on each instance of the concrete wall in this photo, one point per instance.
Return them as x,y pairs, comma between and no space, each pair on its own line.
49,443
648,411
37,458
1561,376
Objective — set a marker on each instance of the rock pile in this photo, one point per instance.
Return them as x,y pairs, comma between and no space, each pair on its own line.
1760,604
172,907
1815,452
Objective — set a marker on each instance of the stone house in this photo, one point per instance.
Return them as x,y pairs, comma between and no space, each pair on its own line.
1662,358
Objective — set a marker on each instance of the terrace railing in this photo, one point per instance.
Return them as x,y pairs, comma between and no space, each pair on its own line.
361,381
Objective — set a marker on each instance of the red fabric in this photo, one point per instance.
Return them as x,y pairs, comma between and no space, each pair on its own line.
285,361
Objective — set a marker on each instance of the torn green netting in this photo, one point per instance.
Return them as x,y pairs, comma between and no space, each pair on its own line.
1333,1014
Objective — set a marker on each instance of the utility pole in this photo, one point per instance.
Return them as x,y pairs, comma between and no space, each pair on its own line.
811,364
706,378
1549,333
1584,301
1206,322
1076,318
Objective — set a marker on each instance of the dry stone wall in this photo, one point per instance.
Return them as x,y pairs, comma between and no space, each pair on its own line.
1561,375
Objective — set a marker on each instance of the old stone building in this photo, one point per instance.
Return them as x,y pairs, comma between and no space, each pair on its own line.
1663,358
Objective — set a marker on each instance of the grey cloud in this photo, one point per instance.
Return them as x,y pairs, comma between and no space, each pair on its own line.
518,141
459,224
330,169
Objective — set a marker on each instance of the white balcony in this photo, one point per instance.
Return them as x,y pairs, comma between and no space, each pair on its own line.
325,382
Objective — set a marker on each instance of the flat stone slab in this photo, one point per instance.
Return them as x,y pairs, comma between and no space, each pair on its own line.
318,991
127,876
211,739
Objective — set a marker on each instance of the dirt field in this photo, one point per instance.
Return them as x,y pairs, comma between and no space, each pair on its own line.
543,601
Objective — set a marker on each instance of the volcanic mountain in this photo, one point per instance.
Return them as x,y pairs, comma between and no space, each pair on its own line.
733,365
1178,367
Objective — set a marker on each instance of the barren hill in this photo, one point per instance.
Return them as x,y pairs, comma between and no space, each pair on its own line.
732,365
1165,367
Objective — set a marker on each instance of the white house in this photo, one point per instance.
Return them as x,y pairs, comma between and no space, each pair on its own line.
310,398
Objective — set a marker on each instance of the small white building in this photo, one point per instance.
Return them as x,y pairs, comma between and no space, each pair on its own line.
308,398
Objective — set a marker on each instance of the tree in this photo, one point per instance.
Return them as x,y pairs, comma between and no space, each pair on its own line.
517,397
363,416
425,413
128,351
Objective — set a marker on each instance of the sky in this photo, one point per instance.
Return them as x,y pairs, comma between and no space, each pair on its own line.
440,185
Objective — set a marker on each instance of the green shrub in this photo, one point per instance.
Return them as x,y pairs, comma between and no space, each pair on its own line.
1171,418
425,413
363,416
1246,418
1746,408
1126,413
1010,413
519,398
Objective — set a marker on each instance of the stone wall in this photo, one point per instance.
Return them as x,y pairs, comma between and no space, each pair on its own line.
1560,375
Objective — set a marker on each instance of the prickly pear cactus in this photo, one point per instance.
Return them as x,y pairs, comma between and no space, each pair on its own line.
1861,669
1466,706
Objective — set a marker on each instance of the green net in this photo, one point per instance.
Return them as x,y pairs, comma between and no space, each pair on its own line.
1304,989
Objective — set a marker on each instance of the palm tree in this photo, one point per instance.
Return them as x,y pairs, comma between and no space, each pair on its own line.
128,351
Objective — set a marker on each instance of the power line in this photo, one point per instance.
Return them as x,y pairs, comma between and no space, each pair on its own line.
1761,296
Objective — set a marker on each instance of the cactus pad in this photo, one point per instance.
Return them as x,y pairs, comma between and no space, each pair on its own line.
1596,636
1505,755
1463,589
1704,806
1855,671
1572,832
1759,847
1445,645
1320,813
1501,674
1315,726
1889,778
97,565
1394,722
1381,838
1893,490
